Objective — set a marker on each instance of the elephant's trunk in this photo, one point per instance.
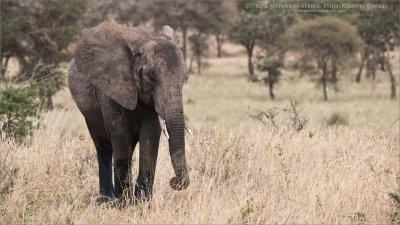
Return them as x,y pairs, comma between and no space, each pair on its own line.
169,106
176,130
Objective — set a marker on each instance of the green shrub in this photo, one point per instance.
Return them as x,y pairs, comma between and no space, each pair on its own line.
48,81
18,110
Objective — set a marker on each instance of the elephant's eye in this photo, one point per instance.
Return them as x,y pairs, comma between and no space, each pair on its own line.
150,77
153,78
140,73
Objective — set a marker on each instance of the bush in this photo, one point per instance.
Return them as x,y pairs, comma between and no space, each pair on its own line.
337,119
18,110
327,41
48,80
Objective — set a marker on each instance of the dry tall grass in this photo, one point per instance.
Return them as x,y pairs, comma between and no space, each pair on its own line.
241,171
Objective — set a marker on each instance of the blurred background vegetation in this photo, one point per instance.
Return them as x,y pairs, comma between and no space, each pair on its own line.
38,38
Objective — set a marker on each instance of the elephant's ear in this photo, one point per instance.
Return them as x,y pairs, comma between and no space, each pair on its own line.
168,33
104,57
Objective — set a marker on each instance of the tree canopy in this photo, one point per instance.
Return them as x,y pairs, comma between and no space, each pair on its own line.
324,40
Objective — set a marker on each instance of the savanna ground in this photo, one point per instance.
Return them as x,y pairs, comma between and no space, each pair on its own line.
242,170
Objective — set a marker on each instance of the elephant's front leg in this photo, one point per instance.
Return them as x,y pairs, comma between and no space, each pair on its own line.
105,176
149,139
122,153
104,158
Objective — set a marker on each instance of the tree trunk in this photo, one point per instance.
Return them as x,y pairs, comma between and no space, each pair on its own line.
219,45
184,34
324,73
382,63
373,73
334,71
198,60
250,62
50,104
271,88
371,67
358,78
392,78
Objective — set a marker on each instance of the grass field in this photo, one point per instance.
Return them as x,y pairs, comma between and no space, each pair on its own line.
242,170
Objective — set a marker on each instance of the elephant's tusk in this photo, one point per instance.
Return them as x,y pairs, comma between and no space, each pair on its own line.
188,129
163,126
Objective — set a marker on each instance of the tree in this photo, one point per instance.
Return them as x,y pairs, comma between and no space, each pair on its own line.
379,30
219,14
199,46
272,66
128,12
325,40
179,14
15,24
54,24
210,21
54,28
271,59
37,32
220,33
255,26
204,18
246,31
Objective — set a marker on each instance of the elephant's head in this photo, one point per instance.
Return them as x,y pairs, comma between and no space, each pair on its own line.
129,64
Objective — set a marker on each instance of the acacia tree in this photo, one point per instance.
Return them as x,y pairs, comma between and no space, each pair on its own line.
220,32
324,40
211,20
255,26
37,36
15,25
219,14
179,14
273,67
246,31
128,12
199,46
379,29
271,59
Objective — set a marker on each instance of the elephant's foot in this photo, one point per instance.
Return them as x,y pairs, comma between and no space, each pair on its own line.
179,183
123,202
103,199
144,187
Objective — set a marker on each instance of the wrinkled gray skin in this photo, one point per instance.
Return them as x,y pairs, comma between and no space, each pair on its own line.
122,80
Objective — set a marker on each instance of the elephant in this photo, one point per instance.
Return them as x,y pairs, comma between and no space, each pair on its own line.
127,83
